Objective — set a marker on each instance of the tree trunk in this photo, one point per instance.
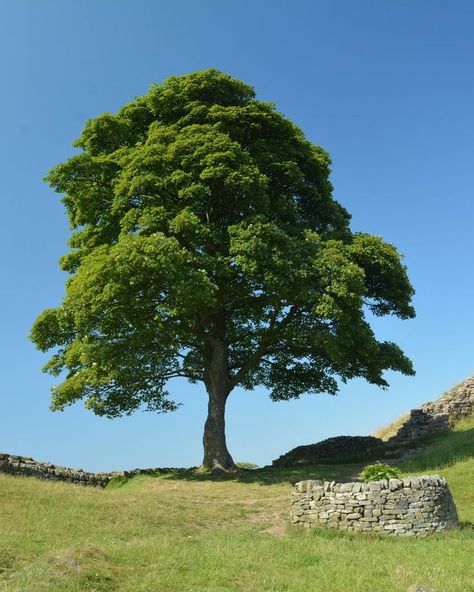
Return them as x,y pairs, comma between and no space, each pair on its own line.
216,455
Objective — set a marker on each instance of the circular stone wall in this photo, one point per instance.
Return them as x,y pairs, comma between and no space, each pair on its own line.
415,506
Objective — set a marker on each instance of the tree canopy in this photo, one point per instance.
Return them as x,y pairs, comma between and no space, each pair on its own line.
206,244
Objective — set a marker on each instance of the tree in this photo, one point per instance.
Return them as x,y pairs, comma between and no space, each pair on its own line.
206,244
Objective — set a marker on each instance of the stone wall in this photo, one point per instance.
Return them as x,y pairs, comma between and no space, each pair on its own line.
21,465
338,449
437,416
28,467
415,506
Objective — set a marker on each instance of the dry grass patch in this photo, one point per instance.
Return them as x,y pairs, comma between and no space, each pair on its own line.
387,432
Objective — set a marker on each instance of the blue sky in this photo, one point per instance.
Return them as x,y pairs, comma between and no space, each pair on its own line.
385,86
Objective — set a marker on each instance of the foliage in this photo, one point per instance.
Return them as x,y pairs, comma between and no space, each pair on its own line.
206,244
379,471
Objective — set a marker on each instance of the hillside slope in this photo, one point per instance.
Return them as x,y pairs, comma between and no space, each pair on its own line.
189,533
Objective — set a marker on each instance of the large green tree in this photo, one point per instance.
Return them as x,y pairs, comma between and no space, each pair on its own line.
206,244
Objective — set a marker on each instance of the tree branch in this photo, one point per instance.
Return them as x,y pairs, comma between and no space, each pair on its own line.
267,341
178,375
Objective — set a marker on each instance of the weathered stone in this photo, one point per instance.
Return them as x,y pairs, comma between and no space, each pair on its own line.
394,484
437,416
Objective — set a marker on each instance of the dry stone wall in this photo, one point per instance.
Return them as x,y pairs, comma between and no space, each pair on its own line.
437,416
415,506
430,418
22,465
338,449
28,467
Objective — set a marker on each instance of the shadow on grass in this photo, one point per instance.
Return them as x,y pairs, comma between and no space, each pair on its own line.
263,476
271,475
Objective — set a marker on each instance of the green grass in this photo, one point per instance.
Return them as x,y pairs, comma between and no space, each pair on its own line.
446,449
190,533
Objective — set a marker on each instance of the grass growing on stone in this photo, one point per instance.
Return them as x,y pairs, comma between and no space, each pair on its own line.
190,533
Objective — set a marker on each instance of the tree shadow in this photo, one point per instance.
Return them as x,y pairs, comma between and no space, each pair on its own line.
269,475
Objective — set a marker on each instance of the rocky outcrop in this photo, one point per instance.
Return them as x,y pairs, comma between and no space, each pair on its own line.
415,506
338,449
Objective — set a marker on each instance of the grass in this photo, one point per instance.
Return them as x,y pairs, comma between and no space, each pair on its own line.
446,449
387,432
191,533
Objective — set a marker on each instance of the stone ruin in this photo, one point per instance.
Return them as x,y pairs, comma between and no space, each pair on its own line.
415,506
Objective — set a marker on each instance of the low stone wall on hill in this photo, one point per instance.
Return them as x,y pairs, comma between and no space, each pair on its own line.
25,466
338,449
415,506
28,467
437,416
430,418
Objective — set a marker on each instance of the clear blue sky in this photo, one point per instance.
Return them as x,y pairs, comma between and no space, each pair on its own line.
386,87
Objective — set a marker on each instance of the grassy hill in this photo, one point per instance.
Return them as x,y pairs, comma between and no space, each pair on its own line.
180,533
